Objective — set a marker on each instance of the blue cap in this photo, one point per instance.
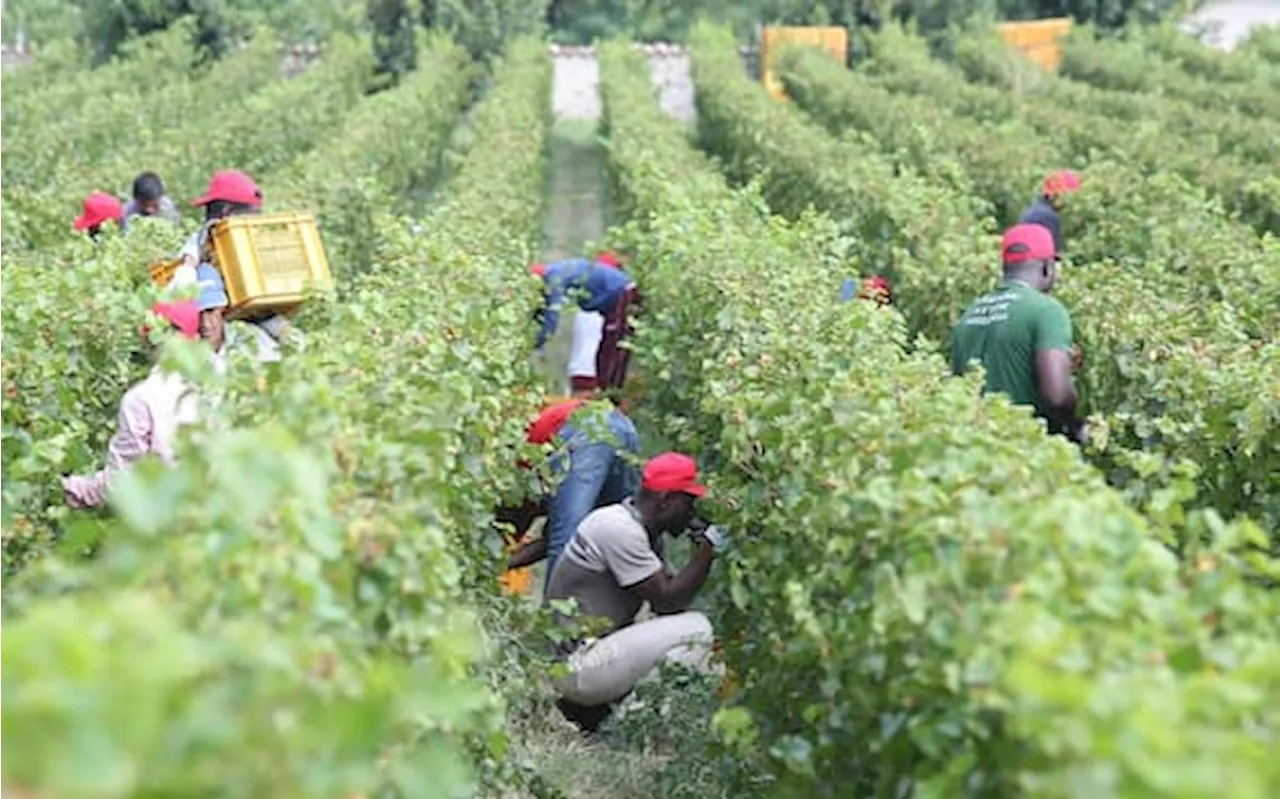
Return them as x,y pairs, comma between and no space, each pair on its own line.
213,292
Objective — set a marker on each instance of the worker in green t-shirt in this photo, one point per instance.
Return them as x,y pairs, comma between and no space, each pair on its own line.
1022,336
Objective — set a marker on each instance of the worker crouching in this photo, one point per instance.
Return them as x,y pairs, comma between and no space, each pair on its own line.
614,564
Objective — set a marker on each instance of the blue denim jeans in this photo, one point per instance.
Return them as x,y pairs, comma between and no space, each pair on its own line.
596,473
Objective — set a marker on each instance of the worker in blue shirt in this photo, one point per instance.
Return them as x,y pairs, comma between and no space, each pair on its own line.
599,286
1046,210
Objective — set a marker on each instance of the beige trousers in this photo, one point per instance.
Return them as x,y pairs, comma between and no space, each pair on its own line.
607,669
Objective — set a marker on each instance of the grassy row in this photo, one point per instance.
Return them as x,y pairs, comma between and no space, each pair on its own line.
386,147
58,61
1003,164
1226,153
1245,139
257,131
1184,374
958,604
468,259
1208,63
146,62
1134,66
44,188
285,613
1219,153
133,117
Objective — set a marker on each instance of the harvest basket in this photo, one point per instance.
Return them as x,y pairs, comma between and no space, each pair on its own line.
269,261
164,271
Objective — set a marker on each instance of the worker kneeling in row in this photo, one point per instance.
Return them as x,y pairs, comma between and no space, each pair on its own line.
615,562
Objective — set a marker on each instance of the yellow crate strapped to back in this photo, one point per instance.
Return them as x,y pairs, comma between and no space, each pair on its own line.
268,261
1039,40
834,40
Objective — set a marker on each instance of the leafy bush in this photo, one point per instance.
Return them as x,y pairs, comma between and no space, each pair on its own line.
394,43
308,581
929,596
1180,375
486,27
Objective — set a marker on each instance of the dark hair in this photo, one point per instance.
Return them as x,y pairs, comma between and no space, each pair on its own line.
148,186
219,209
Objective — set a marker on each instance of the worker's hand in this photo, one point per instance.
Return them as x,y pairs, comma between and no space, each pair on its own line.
1077,357
1080,433
69,497
715,536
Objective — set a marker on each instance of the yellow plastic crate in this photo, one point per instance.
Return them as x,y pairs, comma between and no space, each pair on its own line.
163,272
269,261
1039,40
835,40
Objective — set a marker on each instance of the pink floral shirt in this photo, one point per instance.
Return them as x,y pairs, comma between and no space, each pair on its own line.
150,415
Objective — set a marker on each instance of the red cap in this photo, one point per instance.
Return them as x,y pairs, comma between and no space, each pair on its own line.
608,258
538,269
99,207
1027,242
672,471
232,186
1063,182
184,315
549,422
876,288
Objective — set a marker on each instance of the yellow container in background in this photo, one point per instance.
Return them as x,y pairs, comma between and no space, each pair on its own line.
833,39
1039,40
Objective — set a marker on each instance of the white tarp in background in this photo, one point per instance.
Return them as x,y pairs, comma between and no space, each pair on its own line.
1229,21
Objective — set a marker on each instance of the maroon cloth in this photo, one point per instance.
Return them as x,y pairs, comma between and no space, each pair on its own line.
611,359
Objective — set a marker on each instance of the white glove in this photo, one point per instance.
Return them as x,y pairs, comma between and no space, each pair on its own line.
715,536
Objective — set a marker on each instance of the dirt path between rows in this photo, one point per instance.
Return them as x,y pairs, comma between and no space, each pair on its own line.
577,215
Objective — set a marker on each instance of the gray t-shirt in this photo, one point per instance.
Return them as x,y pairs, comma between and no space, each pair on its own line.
168,212
609,554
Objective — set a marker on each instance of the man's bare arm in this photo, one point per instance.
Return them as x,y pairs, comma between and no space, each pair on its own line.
668,594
